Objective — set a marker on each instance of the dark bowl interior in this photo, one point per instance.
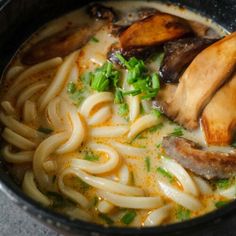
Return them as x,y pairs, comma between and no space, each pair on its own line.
18,19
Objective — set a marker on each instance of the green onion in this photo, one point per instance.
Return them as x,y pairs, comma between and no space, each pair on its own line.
95,201
58,201
159,58
155,128
91,157
221,204
165,173
45,130
80,184
177,132
156,112
71,87
132,92
183,214
122,60
106,218
128,217
123,109
223,183
118,96
94,39
77,97
155,81
158,145
148,164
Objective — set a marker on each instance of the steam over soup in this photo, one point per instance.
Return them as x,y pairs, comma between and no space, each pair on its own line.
101,114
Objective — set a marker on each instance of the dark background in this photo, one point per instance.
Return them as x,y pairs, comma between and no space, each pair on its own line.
15,28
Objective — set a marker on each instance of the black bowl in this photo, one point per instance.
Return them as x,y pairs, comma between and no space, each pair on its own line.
18,19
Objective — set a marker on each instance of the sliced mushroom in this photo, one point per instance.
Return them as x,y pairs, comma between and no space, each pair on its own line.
154,30
210,165
179,54
208,71
102,12
61,43
219,116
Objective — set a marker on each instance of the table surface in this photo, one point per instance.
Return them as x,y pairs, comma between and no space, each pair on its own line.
14,221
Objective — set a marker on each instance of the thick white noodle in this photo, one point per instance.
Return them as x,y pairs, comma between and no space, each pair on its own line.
8,108
30,188
130,201
77,135
116,119
76,213
71,193
50,166
108,131
58,82
47,147
124,174
203,186
147,106
229,193
134,107
101,116
142,123
128,150
105,184
13,72
105,207
181,174
17,157
29,113
29,92
17,140
20,128
183,199
98,168
93,100
157,216
19,82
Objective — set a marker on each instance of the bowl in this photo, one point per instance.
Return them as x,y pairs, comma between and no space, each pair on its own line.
18,19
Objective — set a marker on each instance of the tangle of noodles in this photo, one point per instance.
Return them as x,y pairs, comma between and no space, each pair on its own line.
29,112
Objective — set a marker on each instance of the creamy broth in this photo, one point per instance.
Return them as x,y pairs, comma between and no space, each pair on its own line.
86,159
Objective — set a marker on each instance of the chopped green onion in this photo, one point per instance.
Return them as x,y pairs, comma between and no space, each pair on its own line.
123,109
106,218
123,61
148,164
91,157
58,201
165,173
155,128
119,98
156,112
80,184
158,145
77,97
128,217
183,214
45,130
95,201
155,81
159,58
177,132
223,183
221,204
132,92
94,39
71,87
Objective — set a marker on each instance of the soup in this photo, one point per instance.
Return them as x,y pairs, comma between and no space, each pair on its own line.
103,111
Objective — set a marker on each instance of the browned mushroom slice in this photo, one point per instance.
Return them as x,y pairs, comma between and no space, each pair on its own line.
219,116
60,44
153,30
102,12
210,165
179,54
208,71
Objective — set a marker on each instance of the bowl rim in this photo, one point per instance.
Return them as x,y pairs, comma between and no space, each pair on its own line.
50,217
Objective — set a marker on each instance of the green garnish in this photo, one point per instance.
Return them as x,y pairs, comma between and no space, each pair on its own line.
156,112
119,98
123,109
106,218
158,145
71,87
104,77
91,157
221,204
80,184
143,83
165,173
58,201
177,132
155,128
223,183
77,97
148,164
94,39
45,130
128,217
95,201
183,214
158,58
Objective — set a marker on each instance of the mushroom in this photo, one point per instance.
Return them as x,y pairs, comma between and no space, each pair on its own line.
207,72
219,116
210,165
